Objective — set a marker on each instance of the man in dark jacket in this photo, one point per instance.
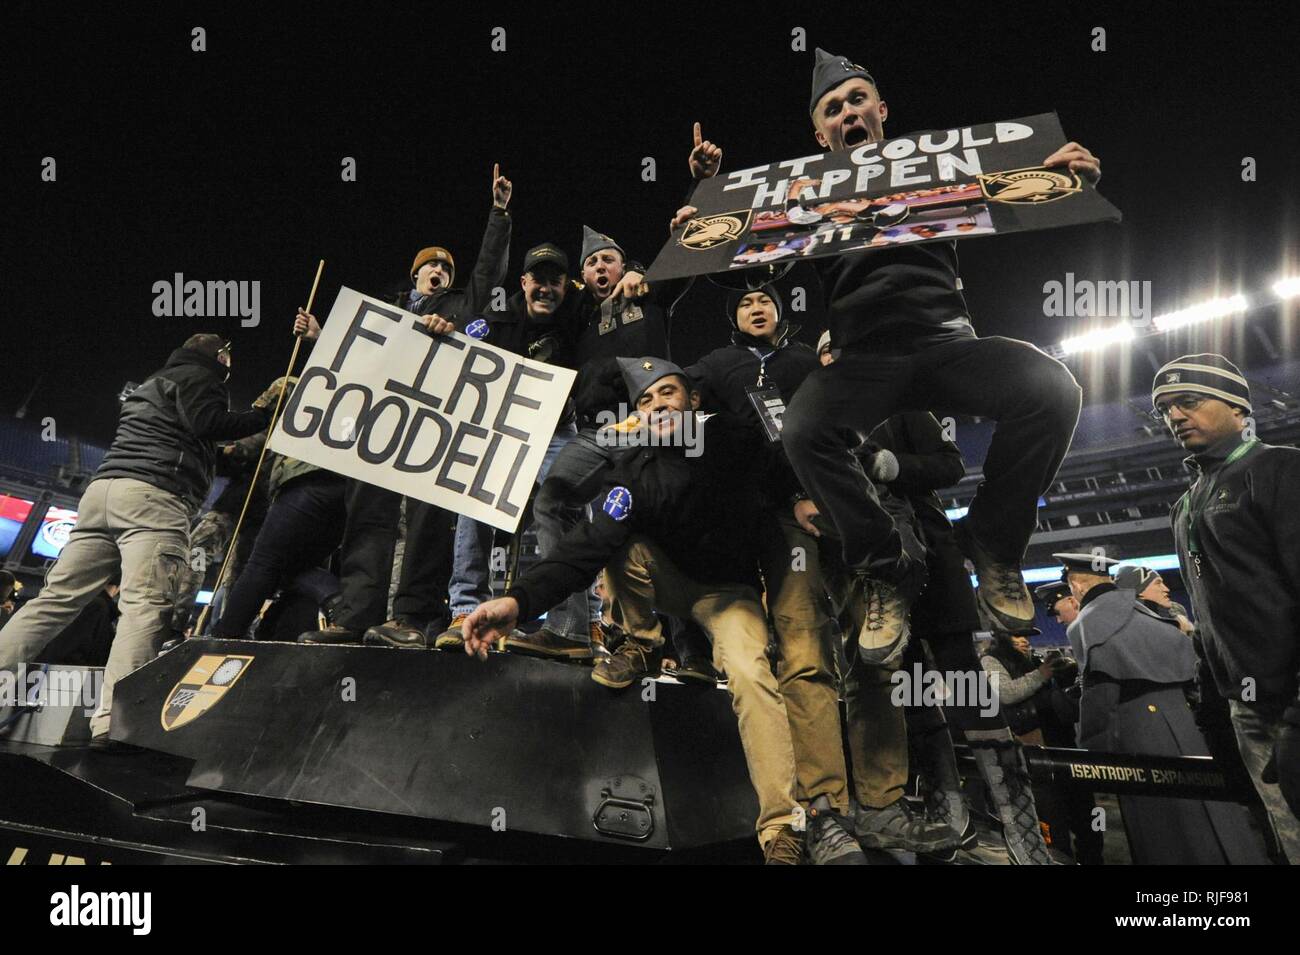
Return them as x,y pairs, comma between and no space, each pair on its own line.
135,514
1236,531
1134,668
373,513
749,381
907,344
675,532
609,315
529,326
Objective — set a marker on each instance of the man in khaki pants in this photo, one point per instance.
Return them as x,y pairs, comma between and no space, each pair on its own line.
676,533
135,515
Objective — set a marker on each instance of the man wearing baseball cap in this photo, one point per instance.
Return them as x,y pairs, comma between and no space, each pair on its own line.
528,326
677,534
1236,531
907,344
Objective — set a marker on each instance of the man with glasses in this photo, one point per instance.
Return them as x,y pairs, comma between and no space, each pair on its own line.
1237,530
135,515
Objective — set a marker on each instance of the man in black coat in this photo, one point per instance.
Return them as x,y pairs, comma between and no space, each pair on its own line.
675,532
1134,668
135,515
1236,531
373,513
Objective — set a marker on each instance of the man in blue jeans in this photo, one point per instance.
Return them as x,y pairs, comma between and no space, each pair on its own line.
528,327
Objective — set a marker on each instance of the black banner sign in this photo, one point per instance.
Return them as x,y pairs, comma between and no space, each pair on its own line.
924,187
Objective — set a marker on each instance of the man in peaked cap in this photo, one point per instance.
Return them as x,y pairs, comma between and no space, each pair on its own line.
1235,531
528,326
1133,667
1058,601
676,533
907,344
1089,571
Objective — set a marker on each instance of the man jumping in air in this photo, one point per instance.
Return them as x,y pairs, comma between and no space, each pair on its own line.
899,316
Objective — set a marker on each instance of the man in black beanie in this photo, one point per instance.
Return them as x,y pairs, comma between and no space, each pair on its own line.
1236,531
907,344
134,517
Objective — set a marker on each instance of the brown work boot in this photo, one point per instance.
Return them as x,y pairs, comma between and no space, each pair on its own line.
785,848
452,638
598,648
546,644
1002,591
632,661
397,633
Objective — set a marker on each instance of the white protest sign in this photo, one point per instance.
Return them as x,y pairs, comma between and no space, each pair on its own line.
442,418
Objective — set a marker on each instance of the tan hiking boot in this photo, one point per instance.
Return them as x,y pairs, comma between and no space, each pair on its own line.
452,638
1002,591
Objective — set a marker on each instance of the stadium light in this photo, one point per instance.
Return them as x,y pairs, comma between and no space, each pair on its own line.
1288,287
1204,312
1101,338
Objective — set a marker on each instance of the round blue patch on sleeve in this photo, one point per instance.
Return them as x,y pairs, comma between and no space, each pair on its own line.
477,328
618,503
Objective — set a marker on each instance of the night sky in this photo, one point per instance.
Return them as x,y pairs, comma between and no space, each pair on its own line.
225,165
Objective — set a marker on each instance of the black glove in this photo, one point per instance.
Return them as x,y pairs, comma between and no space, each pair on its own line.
1286,757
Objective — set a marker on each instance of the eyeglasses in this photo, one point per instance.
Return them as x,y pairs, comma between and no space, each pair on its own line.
1185,404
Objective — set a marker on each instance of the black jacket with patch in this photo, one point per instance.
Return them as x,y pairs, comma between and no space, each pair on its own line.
700,510
460,305
169,427
1246,588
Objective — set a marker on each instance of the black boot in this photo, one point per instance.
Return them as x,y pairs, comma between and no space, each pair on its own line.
1007,777
333,631
936,763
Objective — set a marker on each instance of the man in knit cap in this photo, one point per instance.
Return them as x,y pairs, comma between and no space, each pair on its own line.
899,318
1236,531
373,513
1153,593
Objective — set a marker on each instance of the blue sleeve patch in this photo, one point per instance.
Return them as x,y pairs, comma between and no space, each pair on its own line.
618,503
477,328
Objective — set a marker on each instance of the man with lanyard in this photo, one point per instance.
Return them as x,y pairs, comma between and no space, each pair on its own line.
751,379
1236,531
899,316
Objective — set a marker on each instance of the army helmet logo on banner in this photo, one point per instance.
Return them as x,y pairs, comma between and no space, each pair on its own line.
212,675
1032,185
708,232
